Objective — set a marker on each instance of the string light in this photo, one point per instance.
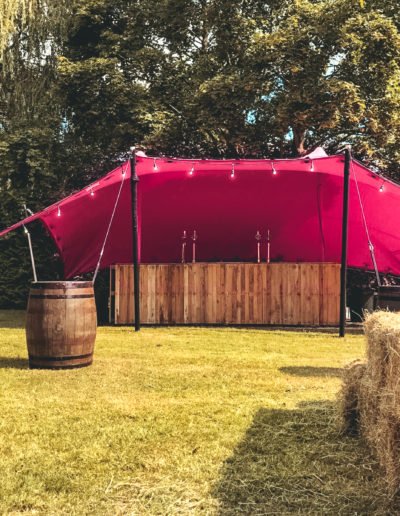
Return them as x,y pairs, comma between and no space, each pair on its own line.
381,188
155,168
274,172
312,166
58,211
233,171
90,189
191,171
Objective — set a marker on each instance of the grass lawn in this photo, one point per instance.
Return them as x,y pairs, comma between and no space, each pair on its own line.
183,421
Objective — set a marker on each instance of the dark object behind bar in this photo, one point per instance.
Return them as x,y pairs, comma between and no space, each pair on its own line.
366,300
360,300
388,298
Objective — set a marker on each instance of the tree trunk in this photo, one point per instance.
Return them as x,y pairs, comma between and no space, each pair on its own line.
299,136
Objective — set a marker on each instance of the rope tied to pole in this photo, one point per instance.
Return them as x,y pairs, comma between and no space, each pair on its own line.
28,236
109,225
370,244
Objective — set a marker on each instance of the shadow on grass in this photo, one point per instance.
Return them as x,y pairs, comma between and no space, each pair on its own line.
11,319
312,371
295,461
13,363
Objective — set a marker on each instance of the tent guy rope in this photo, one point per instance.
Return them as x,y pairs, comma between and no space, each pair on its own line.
110,223
370,244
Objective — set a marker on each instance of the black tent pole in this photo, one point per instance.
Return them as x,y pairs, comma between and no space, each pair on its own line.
135,239
345,221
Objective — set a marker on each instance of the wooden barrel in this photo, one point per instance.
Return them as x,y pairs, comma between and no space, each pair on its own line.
61,324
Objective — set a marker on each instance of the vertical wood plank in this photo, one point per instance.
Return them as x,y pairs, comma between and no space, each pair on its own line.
185,294
276,293
117,295
130,308
221,302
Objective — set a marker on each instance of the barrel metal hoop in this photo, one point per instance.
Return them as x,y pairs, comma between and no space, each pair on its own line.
59,367
44,285
61,296
59,359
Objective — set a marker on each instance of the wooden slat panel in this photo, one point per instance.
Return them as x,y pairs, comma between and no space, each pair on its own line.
177,312
232,293
151,282
291,291
330,294
221,302
276,286
116,295
144,294
185,294
130,308
229,293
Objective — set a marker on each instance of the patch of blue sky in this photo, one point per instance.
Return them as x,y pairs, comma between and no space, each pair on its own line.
251,117
289,135
334,62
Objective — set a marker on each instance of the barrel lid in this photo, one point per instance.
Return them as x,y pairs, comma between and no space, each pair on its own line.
61,284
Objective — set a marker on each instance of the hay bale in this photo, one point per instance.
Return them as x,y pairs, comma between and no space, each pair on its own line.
386,437
349,397
388,451
371,394
375,327
369,409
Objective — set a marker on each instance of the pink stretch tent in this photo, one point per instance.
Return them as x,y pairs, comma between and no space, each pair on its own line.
227,202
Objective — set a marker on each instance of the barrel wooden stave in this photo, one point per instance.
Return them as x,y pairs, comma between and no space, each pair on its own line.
61,325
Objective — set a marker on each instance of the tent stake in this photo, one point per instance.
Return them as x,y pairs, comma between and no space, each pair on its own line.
135,239
345,220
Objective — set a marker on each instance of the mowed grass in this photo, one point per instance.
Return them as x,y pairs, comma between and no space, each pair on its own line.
183,421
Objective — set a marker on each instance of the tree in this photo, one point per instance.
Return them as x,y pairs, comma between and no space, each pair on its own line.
86,79
11,13
30,148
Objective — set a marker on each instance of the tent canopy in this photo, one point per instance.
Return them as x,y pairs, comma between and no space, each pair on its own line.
226,202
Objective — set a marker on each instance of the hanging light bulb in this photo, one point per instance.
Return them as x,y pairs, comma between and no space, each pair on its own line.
155,168
274,172
58,211
91,192
381,188
312,166
123,171
233,171
191,171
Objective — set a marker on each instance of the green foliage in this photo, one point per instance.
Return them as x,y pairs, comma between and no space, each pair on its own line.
89,78
10,12
232,79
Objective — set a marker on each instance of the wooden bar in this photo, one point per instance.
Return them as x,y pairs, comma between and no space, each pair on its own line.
294,294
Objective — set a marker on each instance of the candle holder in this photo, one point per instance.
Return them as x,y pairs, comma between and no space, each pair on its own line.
183,253
194,238
258,238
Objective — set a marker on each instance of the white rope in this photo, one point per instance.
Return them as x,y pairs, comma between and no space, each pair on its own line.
109,226
28,236
370,245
